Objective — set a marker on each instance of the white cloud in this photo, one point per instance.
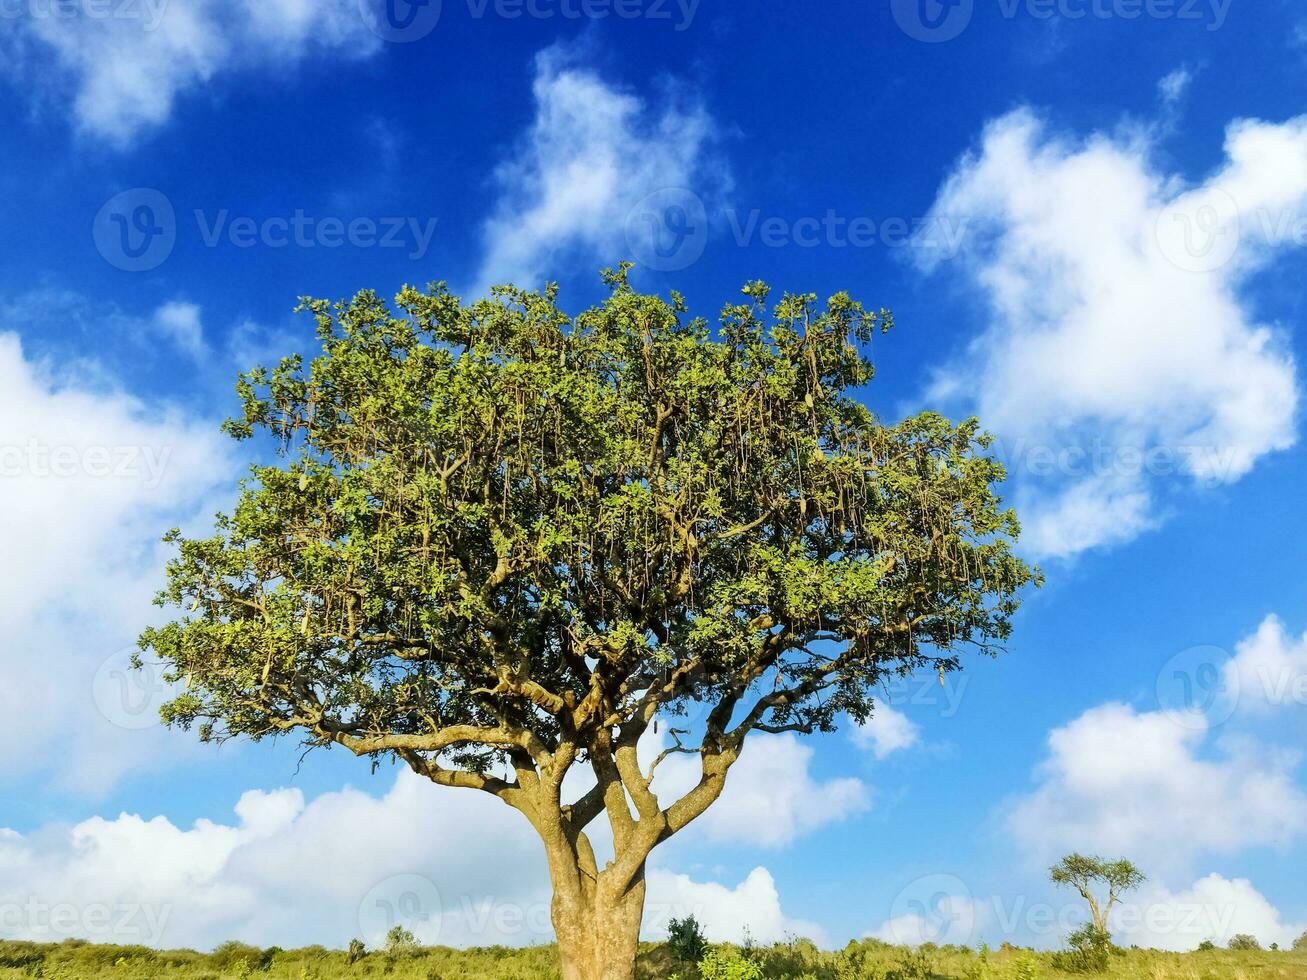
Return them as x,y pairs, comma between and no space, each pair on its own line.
941,917
472,874
180,322
128,71
753,908
91,479
1121,782
1175,85
1269,669
887,731
1120,354
770,798
593,153
1213,908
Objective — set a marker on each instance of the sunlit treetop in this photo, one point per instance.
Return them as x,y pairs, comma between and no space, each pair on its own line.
499,540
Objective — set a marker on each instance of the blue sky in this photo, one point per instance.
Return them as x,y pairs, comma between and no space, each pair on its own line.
1088,217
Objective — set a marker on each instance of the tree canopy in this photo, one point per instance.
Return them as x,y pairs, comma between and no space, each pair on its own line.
498,540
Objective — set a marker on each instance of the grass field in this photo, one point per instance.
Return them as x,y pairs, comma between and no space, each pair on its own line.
868,960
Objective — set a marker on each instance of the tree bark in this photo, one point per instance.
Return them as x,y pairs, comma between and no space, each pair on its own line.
597,926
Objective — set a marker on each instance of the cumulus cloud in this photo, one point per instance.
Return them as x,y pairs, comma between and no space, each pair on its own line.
887,731
753,908
456,867
1269,669
179,322
128,69
592,155
1213,908
1118,781
1120,358
91,478
771,796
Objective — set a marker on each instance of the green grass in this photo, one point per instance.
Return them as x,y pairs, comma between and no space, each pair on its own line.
801,960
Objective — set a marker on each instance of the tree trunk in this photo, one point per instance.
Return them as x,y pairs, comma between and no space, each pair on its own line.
598,931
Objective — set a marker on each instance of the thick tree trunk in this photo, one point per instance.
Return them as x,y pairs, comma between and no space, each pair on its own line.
598,931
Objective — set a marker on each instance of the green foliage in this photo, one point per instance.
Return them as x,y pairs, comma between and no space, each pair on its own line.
1300,944
728,963
399,940
1243,941
356,951
1083,873
685,939
794,960
1206,946
495,529
1025,968
1090,951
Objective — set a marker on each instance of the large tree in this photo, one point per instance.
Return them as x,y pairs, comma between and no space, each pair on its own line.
500,541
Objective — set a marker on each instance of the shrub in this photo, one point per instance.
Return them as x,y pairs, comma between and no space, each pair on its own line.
1206,946
1243,941
1025,968
400,940
356,951
685,939
1300,943
1090,952
727,964
231,954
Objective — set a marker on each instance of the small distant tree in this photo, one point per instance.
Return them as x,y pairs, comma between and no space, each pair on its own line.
1244,942
1090,876
501,540
356,951
400,940
1206,946
1300,943
685,939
